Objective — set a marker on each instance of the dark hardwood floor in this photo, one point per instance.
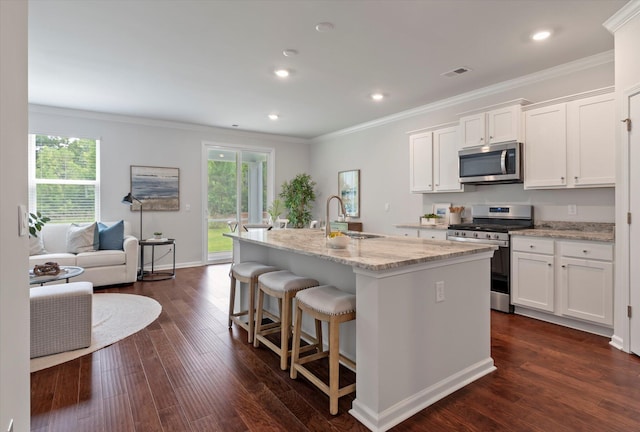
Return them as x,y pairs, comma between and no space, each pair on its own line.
188,372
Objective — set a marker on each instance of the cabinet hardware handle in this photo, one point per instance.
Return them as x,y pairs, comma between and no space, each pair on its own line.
562,178
531,246
584,251
563,266
481,139
549,264
576,178
490,137
437,184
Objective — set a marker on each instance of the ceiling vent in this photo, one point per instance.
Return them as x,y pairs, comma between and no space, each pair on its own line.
456,72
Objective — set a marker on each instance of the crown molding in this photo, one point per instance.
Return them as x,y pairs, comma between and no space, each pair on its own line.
546,74
142,121
623,16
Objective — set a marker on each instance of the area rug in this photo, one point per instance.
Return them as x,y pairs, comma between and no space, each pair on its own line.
115,316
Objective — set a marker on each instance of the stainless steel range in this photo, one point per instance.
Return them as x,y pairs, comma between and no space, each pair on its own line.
491,225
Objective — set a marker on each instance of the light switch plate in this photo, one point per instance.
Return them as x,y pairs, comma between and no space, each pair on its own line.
23,221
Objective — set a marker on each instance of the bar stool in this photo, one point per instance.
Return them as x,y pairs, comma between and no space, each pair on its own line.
246,272
324,303
282,285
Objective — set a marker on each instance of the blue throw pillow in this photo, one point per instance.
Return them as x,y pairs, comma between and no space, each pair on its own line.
111,237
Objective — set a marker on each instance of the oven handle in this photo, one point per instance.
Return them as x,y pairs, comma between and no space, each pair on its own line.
501,243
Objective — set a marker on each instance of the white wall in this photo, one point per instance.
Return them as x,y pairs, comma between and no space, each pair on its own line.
129,141
14,291
382,155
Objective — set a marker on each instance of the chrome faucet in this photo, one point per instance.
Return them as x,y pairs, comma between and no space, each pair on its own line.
328,227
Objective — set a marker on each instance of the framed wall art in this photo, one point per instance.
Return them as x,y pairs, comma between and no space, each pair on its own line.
349,191
442,210
158,188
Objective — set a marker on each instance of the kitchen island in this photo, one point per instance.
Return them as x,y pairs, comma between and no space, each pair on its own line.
422,319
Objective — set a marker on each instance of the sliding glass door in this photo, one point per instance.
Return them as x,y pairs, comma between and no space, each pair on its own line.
239,184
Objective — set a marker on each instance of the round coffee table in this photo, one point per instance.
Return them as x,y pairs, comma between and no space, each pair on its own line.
66,272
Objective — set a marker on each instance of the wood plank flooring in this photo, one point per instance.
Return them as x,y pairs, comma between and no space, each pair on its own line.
188,372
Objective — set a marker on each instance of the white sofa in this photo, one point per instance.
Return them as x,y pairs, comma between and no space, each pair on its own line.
101,267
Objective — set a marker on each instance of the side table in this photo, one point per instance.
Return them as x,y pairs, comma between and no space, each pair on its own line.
153,275
66,272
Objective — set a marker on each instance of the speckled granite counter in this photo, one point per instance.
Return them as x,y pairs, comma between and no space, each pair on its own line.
426,299
382,253
571,231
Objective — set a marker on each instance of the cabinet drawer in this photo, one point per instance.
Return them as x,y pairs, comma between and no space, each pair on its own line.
598,251
532,245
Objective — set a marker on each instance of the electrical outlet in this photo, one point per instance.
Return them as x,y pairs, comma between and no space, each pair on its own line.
387,206
439,291
573,210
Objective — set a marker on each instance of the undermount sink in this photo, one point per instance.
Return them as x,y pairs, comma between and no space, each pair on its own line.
361,236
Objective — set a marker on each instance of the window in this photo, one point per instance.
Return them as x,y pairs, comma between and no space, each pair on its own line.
64,178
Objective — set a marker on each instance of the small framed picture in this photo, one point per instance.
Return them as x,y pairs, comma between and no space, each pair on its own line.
442,210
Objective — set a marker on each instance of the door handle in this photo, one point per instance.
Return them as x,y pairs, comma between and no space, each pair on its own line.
503,161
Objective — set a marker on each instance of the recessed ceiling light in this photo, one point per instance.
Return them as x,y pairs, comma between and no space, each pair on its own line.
377,96
282,73
289,53
541,35
274,116
324,27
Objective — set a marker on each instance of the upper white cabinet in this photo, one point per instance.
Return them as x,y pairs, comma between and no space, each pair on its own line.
493,126
434,161
571,144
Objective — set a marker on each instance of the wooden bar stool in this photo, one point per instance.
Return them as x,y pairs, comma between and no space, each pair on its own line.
282,285
246,272
324,303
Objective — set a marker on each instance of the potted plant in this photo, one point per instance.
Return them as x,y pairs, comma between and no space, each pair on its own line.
275,209
429,219
298,196
157,235
36,222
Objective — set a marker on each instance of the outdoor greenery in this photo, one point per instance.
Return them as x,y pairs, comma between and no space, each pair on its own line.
60,163
298,195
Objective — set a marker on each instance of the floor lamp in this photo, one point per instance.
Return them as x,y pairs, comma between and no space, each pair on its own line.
129,199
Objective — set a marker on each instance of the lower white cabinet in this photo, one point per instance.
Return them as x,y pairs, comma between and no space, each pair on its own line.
586,283
433,234
532,273
572,279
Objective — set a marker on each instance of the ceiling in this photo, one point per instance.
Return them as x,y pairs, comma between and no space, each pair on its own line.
212,62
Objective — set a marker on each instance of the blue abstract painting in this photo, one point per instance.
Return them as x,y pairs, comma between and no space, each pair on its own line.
158,188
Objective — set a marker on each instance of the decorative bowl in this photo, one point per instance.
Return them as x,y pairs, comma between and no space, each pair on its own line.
338,241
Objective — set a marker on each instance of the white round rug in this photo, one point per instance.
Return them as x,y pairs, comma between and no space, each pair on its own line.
115,316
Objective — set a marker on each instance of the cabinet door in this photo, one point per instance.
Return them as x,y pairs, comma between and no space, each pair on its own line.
408,232
532,281
546,147
587,290
472,130
433,234
421,162
446,175
504,124
591,131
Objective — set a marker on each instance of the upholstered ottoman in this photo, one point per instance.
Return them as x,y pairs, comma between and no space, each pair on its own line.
60,317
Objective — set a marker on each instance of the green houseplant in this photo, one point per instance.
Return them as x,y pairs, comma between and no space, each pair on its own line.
275,209
36,222
298,196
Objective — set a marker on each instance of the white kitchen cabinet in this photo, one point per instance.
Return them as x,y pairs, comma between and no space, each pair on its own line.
586,281
409,232
591,131
545,147
532,273
581,287
434,161
421,162
571,144
432,234
493,126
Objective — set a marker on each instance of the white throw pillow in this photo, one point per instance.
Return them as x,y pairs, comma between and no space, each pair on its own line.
82,238
36,246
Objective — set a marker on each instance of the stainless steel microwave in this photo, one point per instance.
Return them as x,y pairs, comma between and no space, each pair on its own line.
492,163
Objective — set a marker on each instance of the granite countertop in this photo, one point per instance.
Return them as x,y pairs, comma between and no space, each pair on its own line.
421,226
593,231
382,253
